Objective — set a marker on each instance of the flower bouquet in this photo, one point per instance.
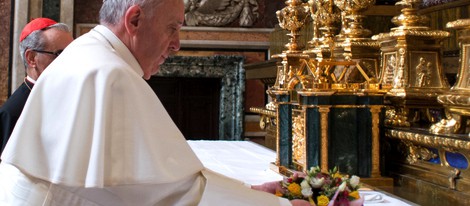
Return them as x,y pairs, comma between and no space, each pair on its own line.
323,189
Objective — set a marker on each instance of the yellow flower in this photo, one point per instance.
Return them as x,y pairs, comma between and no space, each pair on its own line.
322,200
337,175
295,189
354,194
278,193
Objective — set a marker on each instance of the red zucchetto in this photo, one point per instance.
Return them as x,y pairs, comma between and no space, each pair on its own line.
36,24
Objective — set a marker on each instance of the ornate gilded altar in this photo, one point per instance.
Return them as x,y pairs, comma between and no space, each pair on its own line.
327,97
372,108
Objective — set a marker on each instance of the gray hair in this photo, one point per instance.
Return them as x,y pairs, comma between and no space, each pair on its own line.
35,40
113,10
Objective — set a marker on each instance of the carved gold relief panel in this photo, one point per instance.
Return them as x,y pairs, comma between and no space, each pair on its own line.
298,138
425,72
389,73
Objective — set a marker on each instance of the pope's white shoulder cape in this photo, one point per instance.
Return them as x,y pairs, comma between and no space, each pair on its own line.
93,121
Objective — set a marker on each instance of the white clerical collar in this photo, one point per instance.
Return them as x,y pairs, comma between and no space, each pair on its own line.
119,47
30,79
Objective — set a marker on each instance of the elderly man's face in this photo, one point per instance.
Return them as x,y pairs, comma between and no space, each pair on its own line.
158,37
56,41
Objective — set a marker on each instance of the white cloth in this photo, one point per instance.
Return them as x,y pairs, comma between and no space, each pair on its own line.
249,162
241,160
92,122
376,198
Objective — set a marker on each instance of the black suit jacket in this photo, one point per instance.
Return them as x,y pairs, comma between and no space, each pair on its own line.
11,111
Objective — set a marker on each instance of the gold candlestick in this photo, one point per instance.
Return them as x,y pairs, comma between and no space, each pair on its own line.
313,44
327,17
353,14
292,18
409,19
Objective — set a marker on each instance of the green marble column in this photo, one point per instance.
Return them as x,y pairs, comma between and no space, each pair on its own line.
51,9
339,132
284,120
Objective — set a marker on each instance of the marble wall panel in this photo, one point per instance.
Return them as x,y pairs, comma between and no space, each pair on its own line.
5,10
250,56
231,73
224,35
86,11
51,9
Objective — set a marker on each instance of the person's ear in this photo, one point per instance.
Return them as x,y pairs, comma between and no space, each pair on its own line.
133,18
29,56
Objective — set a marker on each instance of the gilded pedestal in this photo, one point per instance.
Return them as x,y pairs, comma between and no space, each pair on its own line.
329,104
411,68
338,129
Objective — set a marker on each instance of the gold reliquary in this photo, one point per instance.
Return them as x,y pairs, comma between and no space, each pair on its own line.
328,97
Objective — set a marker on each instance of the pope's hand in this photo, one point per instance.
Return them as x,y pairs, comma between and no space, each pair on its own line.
275,187
271,187
298,174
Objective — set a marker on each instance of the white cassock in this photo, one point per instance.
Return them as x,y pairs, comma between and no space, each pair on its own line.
94,133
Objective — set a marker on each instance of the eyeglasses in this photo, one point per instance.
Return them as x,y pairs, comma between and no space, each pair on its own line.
57,53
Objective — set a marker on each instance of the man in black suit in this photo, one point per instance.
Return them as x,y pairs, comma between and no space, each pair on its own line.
41,41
